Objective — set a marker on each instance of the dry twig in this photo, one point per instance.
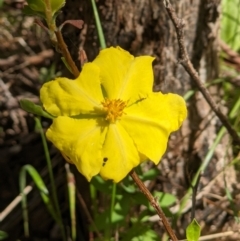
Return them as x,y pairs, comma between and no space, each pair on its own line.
188,66
154,204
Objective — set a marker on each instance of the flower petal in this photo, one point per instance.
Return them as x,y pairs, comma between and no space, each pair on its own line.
123,76
120,155
150,122
81,141
73,97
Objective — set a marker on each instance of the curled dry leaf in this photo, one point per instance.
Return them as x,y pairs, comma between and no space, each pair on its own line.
76,23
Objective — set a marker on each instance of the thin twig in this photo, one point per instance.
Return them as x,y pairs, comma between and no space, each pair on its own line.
188,66
59,43
64,50
154,204
87,213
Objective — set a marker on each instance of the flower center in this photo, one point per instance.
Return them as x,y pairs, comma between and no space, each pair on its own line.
114,109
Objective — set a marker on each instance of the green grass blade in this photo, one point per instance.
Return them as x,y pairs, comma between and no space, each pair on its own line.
111,211
230,23
72,200
38,127
235,110
42,190
200,170
113,198
99,25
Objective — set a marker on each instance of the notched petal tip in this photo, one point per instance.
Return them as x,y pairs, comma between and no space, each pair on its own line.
150,122
177,110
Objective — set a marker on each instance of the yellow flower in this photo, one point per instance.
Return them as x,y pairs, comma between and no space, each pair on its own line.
108,120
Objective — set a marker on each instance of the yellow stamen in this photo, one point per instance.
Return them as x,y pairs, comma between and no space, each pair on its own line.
114,109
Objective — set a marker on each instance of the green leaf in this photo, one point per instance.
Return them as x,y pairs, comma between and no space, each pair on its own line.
140,232
164,199
139,198
148,235
193,231
118,216
56,5
150,174
131,188
3,235
29,106
101,185
28,11
37,5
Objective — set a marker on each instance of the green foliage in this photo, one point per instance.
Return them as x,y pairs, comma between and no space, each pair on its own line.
1,3
42,190
37,179
3,235
43,7
56,5
164,199
193,231
30,107
128,196
230,25
72,201
139,232
48,73
36,5
28,11
151,174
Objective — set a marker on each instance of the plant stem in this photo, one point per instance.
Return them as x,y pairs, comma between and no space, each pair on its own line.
113,197
154,204
49,19
60,44
72,200
64,50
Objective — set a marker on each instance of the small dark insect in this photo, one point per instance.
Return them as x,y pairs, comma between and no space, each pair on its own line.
104,161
